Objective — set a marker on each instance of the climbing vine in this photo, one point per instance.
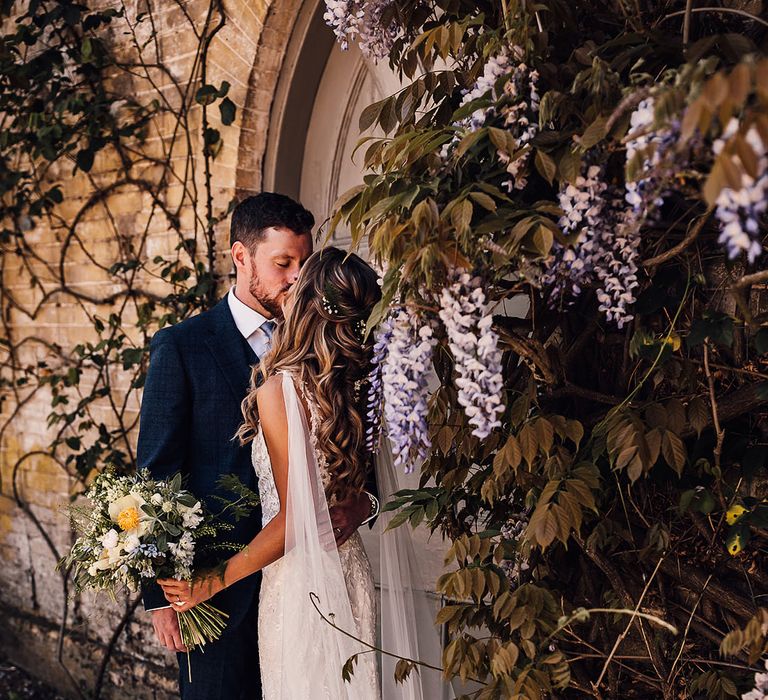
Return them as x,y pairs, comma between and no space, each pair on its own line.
108,218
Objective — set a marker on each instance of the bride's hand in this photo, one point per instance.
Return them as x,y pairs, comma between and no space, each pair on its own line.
184,595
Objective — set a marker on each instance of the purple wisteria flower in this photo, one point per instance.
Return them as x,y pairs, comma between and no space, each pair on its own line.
465,313
520,111
603,249
653,154
514,531
485,85
404,355
740,211
344,17
363,21
377,36
521,117
760,691
383,337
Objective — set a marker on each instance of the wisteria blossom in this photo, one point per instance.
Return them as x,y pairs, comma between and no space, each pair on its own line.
383,336
604,249
344,17
646,146
520,108
362,21
740,211
653,159
760,691
377,35
521,117
465,313
485,85
404,376
514,531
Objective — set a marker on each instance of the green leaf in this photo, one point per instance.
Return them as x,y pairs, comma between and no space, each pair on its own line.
594,134
228,110
206,95
86,50
131,357
484,200
736,538
73,443
211,136
698,500
468,141
84,159
716,326
461,216
569,166
370,115
545,165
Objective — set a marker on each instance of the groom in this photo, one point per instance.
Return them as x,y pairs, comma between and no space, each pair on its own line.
198,375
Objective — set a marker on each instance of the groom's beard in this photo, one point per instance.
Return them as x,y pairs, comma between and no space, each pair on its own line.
271,302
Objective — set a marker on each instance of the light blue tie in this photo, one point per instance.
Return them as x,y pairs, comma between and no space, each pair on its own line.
269,328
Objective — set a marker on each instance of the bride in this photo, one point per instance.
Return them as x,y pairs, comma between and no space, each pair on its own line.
307,422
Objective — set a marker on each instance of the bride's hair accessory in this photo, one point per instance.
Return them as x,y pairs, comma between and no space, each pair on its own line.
330,307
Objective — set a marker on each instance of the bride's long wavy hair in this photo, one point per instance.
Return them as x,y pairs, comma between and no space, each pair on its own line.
320,342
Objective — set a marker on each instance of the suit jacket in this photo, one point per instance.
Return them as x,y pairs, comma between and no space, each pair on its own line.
199,372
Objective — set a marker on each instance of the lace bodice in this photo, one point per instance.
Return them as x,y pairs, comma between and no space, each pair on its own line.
270,501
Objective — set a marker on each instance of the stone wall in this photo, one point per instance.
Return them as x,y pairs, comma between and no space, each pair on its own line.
44,322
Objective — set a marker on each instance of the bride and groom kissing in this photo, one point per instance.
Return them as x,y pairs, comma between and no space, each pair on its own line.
269,386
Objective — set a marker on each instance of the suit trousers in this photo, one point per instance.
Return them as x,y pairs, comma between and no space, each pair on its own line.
228,669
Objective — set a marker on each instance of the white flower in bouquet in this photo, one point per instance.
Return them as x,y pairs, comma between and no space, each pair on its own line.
110,538
140,529
191,516
127,513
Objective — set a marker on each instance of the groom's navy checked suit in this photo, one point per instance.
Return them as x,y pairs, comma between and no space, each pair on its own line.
199,373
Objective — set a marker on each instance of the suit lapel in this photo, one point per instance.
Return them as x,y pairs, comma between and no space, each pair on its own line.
230,350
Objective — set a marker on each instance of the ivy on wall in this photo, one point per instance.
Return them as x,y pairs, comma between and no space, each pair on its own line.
104,150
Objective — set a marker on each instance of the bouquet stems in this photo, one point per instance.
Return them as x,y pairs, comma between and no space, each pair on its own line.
202,624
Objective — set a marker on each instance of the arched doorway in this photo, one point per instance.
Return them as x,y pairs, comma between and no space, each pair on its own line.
312,133
313,128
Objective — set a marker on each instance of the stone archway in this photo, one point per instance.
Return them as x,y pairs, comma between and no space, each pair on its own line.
299,130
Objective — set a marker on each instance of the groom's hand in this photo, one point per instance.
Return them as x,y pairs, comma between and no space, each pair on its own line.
348,515
166,624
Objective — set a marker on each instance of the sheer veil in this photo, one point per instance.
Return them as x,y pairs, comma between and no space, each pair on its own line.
407,611
313,652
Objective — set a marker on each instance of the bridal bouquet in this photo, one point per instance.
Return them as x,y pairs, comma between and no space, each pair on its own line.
138,529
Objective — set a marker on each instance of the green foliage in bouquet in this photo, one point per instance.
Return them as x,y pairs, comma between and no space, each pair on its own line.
569,203
138,529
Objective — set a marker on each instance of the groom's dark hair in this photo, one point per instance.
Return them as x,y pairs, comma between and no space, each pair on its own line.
254,215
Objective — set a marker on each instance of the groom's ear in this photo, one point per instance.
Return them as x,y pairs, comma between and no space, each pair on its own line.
239,255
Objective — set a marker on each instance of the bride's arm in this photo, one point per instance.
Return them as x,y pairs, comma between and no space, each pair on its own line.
269,544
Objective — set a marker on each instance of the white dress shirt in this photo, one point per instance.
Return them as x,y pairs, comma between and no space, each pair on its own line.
249,322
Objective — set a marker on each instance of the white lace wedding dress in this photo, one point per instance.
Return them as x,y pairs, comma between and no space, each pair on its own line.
301,656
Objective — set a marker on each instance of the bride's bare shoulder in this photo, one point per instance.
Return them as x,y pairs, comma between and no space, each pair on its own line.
272,413
270,394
